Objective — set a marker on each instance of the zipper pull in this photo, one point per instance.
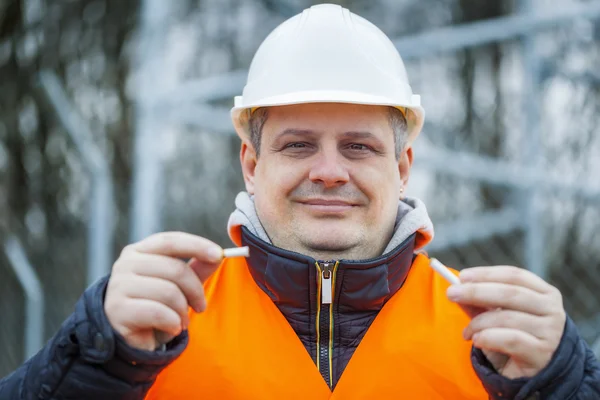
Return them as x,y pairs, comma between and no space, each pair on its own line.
326,284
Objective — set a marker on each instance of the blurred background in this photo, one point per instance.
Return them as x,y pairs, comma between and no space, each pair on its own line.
114,123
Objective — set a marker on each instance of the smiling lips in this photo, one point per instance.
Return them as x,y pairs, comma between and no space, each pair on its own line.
328,206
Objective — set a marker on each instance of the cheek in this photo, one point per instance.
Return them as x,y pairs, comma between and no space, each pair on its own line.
275,180
381,185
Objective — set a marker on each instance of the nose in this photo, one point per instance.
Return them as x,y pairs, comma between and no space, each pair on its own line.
328,170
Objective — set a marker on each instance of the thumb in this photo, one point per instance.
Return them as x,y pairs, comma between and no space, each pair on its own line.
203,269
162,337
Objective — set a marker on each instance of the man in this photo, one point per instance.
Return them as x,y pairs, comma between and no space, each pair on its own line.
334,299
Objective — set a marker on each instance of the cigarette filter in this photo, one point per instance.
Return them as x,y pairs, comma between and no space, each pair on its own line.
236,252
444,271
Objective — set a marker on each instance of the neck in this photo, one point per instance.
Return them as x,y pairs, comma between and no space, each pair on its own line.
355,253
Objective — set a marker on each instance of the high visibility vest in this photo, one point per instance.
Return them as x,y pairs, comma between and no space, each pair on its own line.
242,347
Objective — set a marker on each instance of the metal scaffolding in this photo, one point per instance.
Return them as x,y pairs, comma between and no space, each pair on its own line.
100,226
34,295
190,104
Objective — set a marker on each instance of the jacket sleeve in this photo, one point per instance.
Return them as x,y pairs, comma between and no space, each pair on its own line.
572,374
88,359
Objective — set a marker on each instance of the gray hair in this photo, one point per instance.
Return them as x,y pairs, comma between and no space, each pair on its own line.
400,128
396,119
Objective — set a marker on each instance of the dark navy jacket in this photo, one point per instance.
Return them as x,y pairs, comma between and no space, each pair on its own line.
87,359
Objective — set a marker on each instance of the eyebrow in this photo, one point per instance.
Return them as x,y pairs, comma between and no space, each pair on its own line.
362,135
348,134
359,135
295,132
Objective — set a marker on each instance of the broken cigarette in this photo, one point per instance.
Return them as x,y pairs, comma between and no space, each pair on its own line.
236,252
444,271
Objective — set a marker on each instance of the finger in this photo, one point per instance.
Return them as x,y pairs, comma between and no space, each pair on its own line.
147,314
508,275
171,269
180,244
500,295
512,342
160,290
518,320
202,269
472,311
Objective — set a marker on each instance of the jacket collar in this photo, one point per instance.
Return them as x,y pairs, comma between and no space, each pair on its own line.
291,279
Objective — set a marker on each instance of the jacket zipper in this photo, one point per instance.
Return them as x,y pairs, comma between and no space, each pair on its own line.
324,325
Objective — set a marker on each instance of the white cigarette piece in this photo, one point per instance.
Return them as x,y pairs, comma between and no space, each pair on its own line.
444,271
236,252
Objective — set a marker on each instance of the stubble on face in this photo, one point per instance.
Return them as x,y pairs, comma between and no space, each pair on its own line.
286,179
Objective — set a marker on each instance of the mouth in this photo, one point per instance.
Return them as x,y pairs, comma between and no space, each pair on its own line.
328,206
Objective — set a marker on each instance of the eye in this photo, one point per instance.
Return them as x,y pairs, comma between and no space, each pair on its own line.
296,145
297,149
358,147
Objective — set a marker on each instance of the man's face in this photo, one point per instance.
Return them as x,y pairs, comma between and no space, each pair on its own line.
327,181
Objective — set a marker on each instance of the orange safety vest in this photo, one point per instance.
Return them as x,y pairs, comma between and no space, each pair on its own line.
242,347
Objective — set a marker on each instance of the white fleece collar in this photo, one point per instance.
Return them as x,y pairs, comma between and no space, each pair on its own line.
412,217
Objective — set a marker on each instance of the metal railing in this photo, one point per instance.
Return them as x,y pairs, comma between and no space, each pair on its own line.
34,296
100,226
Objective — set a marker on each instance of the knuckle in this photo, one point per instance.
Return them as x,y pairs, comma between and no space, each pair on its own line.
559,321
507,319
166,241
483,337
156,315
547,325
516,274
124,262
547,347
175,298
513,342
555,293
470,291
159,315
177,271
118,265
127,249
477,322
513,294
114,289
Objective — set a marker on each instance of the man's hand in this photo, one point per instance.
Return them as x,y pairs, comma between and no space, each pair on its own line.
150,288
518,318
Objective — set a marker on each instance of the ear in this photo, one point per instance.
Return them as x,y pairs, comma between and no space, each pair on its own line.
404,164
248,160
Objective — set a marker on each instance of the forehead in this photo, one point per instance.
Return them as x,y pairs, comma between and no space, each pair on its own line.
329,117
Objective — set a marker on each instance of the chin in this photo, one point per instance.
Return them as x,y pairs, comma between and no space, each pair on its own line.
331,236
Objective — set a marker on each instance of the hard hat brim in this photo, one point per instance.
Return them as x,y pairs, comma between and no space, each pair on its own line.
414,112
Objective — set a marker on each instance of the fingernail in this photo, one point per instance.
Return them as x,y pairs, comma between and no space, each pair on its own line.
200,306
214,254
475,337
453,292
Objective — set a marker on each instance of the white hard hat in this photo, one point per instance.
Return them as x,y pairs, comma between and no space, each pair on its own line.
327,54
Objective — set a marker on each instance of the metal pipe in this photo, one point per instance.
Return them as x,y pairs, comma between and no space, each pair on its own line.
433,42
101,206
497,172
461,164
458,37
596,348
34,296
480,227
213,119
147,189
214,88
531,148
